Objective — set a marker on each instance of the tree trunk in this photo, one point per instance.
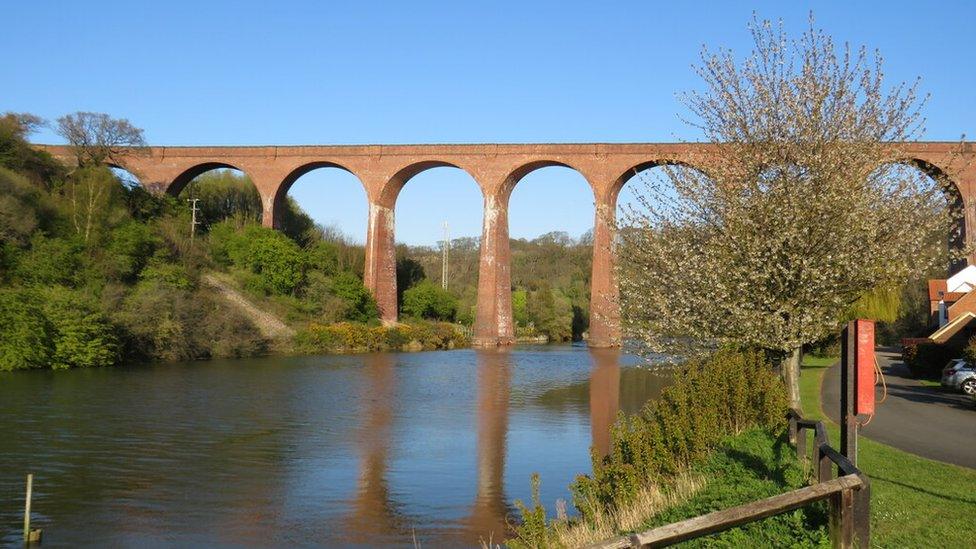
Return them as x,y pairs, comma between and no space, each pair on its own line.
791,377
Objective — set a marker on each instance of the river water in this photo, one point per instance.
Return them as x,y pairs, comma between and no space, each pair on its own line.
340,451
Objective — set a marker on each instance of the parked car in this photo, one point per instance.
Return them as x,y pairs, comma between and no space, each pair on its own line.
960,375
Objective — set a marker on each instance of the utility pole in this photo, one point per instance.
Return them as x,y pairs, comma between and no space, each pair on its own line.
193,221
445,254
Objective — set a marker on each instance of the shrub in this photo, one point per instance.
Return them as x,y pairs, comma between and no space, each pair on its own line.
430,301
82,336
51,261
925,359
25,333
355,337
708,401
360,305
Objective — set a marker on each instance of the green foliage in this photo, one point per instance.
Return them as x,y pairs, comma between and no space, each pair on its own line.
296,224
359,303
18,155
52,261
357,337
25,333
533,532
129,249
185,324
18,204
520,312
710,399
426,300
409,272
926,359
82,335
278,261
881,304
323,256
225,195
749,467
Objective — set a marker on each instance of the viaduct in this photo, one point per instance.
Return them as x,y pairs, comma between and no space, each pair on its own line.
383,170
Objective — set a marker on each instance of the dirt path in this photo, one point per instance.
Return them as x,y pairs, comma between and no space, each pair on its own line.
269,325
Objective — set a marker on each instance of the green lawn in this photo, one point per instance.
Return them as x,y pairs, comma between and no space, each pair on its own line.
916,502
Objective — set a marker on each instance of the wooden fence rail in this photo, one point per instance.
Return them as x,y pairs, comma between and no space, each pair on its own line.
848,495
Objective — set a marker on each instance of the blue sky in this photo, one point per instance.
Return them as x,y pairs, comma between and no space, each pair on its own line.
254,73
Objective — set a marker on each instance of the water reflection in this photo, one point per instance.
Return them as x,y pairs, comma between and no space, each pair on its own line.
307,451
604,396
372,512
488,514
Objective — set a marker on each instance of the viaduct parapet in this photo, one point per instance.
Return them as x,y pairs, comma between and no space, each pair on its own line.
383,170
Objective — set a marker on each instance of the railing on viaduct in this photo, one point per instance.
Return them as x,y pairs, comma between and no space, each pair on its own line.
497,168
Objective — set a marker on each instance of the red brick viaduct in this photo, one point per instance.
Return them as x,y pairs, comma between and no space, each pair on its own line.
497,168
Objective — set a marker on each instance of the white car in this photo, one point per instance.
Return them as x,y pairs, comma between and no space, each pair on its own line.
960,376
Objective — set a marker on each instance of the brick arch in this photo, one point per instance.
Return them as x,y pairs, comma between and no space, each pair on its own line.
613,191
281,191
387,195
180,182
515,175
954,197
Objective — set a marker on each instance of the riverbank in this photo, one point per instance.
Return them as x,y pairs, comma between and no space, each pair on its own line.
915,502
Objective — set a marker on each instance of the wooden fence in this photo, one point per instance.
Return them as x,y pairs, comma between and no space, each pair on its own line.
848,494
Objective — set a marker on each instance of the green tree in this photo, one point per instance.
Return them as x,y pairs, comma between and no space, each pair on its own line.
52,261
82,335
225,194
409,272
799,213
427,300
25,333
520,311
361,307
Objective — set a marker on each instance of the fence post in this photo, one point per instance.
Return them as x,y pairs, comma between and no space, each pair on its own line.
825,468
842,519
801,444
862,514
792,428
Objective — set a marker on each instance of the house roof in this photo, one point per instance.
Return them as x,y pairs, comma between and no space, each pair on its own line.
946,332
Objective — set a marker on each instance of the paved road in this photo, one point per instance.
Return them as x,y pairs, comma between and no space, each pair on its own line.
927,421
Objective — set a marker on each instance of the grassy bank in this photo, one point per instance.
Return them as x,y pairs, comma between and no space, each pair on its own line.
916,502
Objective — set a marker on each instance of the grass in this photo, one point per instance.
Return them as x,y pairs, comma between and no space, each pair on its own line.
748,467
915,502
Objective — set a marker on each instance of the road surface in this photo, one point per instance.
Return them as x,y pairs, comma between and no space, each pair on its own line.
926,421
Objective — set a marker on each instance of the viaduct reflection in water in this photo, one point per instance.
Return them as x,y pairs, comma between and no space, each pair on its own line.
373,512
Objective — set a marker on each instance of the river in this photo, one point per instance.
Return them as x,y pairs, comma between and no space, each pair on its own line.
345,451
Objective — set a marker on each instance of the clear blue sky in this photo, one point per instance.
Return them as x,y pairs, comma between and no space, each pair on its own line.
423,72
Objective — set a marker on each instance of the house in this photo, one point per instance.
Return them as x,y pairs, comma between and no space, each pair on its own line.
952,305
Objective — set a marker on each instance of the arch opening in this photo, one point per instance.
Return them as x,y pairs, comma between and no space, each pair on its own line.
128,179
220,193
325,202
437,267
551,213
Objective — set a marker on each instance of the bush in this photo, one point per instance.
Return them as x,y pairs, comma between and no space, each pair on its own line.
185,325
25,333
82,337
360,305
278,261
708,401
925,359
430,301
357,337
